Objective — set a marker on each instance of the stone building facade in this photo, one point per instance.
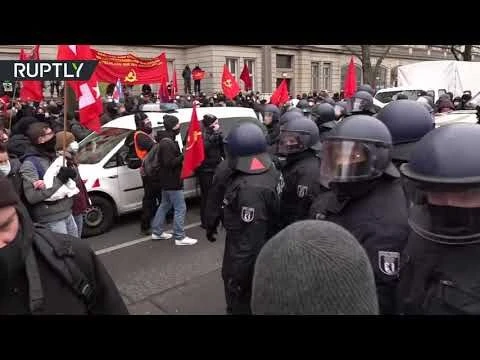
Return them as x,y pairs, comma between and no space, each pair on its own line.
306,67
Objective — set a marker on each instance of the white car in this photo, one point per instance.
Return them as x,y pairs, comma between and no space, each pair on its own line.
114,188
384,96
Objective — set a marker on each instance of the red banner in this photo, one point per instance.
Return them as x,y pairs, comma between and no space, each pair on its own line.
130,69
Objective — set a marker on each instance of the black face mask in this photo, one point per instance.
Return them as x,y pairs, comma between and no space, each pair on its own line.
147,129
49,146
454,221
176,131
352,189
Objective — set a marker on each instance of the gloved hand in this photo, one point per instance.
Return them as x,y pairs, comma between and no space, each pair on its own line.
66,173
211,235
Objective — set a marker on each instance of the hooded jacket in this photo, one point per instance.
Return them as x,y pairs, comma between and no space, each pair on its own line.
42,211
23,262
170,161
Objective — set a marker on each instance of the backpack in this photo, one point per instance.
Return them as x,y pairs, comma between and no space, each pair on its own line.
152,160
61,257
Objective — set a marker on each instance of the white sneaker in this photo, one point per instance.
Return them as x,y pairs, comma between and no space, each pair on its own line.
163,236
186,241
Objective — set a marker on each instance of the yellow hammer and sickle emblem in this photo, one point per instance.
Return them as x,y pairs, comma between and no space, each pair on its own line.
228,83
196,135
131,77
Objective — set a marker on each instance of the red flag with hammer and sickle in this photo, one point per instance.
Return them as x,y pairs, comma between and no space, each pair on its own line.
229,84
194,151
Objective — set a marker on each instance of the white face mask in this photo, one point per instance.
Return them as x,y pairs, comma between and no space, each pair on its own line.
5,168
73,147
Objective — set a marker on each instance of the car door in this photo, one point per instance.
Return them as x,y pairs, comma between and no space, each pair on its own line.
129,181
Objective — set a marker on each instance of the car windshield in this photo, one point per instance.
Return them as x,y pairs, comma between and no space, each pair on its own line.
96,146
387,96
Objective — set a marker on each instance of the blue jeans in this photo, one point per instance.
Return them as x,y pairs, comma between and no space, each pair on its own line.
65,226
79,221
171,198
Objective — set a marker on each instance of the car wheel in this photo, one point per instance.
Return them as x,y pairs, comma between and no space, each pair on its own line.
99,217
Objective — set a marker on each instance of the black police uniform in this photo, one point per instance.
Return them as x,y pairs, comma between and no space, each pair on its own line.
374,209
213,143
440,268
250,209
377,217
301,170
361,104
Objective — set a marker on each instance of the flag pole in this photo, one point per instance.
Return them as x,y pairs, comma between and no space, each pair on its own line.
65,111
11,112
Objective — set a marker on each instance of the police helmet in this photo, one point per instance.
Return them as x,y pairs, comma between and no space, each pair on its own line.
304,106
341,109
329,100
442,185
290,114
297,135
271,111
324,115
357,149
408,121
367,88
360,102
246,148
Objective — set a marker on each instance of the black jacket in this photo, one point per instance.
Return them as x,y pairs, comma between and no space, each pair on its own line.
15,177
273,133
19,145
251,207
214,152
378,219
216,193
58,298
170,161
439,279
301,174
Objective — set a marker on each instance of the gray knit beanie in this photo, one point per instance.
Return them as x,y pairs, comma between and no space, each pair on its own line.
313,268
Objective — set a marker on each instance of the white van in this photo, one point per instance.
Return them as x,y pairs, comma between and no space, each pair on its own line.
384,96
116,189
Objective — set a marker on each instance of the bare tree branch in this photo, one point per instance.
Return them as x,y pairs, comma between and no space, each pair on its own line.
455,52
357,54
380,59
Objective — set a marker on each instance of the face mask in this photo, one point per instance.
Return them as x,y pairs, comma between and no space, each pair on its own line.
147,128
73,147
5,168
176,131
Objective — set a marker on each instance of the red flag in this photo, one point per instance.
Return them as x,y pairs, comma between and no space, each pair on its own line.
229,84
175,84
247,79
163,69
195,152
350,85
87,92
31,90
280,95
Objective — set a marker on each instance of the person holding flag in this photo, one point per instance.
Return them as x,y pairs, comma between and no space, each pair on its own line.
174,169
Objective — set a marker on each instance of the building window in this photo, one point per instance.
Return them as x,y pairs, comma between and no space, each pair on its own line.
232,65
327,76
344,71
251,69
284,61
381,79
315,76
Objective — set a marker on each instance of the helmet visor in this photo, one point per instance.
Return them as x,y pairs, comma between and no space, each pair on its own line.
445,214
348,161
358,104
292,142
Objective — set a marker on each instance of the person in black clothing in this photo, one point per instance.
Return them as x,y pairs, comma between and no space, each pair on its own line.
324,116
187,78
250,208
19,143
213,142
300,143
271,119
361,104
366,197
440,271
139,144
47,273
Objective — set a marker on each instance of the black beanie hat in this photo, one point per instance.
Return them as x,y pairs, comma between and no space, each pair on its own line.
169,122
313,267
208,120
8,195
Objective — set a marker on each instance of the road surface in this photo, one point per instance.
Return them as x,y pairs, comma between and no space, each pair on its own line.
158,277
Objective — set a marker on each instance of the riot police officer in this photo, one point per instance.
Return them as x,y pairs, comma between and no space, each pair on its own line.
300,144
408,121
367,88
250,209
305,107
361,104
440,272
271,119
324,116
366,197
